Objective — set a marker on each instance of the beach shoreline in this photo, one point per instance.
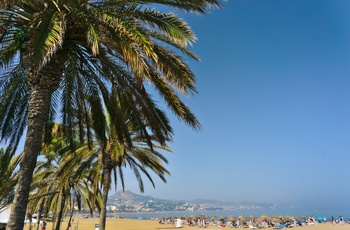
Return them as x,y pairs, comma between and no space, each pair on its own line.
135,224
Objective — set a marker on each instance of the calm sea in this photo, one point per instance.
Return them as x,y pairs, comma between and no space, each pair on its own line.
300,211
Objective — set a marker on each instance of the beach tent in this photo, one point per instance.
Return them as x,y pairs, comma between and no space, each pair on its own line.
178,223
5,215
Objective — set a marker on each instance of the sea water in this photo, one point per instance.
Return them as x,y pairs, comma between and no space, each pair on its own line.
293,212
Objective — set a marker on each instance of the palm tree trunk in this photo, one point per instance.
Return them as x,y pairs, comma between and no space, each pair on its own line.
71,212
39,214
53,220
29,217
106,185
60,211
42,87
37,116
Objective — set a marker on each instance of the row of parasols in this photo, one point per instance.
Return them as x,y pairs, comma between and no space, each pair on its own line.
233,218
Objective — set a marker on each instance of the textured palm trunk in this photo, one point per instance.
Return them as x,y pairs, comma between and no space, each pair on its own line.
42,87
71,213
106,185
38,220
39,214
53,221
60,212
37,116
29,217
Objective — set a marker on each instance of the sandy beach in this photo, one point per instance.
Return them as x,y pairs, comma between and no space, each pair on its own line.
134,224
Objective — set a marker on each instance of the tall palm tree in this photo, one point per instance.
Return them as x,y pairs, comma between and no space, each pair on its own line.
55,185
58,180
9,176
114,155
143,155
110,44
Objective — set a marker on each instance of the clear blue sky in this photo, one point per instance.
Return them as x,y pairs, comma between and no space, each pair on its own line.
274,102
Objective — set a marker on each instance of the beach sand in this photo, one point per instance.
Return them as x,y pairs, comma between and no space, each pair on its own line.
134,224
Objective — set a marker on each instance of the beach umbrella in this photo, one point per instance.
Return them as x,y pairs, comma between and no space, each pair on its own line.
242,218
222,218
252,217
265,217
276,219
192,217
232,218
212,218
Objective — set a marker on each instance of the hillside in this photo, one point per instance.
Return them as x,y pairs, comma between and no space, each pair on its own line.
131,202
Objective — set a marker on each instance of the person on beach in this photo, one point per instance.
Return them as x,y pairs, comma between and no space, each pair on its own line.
43,225
333,220
341,220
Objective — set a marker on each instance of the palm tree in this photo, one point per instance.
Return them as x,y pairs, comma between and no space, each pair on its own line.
112,154
141,156
139,159
9,176
56,185
59,180
109,44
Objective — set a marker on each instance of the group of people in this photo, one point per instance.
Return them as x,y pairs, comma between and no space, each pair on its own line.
263,223
260,223
340,220
200,222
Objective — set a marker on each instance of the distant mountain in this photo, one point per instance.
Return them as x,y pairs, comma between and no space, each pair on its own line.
130,202
130,196
127,195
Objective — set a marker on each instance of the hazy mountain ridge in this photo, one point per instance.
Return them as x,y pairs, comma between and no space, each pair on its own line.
127,195
132,197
